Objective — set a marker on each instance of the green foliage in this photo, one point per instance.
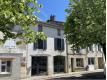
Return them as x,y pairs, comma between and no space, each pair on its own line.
86,22
19,12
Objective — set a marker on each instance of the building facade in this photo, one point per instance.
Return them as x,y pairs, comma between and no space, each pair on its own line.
53,55
90,59
48,56
10,64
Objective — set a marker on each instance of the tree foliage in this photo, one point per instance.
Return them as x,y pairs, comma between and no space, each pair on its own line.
86,23
19,12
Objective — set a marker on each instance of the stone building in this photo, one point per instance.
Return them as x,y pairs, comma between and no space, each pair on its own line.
9,62
78,60
54,55
48,56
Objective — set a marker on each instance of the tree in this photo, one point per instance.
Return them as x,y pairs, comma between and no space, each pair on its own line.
86,23
19,12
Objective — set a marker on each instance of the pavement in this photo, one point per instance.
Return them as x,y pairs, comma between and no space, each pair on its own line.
96,74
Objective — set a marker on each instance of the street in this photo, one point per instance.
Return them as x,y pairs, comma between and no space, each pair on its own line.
89,76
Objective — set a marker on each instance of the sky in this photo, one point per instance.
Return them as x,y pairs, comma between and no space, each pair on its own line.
54,7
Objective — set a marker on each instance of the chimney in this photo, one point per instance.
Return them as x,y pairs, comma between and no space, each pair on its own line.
52,18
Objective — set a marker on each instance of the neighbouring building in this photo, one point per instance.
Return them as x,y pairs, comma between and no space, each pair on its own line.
91,56
9,62
53,55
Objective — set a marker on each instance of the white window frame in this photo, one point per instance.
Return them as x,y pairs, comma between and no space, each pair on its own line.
80,63
90,59
90,48
5,72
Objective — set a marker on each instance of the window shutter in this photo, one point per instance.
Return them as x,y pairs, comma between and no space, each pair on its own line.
55,43
62,45
34,46
45,44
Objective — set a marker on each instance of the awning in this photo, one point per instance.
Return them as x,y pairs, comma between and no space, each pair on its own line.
7,58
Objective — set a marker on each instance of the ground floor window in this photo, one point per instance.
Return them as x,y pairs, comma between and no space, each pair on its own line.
79,62
59,64
91,61
5,66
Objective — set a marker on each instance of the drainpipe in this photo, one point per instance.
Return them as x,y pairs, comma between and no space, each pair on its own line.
67,65
26,59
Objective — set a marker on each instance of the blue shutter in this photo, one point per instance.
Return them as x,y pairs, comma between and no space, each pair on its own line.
55,43
34,46
44,44
62,45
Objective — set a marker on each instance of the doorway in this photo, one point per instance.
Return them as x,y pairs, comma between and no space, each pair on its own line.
59,64
39,65
72,65
100,63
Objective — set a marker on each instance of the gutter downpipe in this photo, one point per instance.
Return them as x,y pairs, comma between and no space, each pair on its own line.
67,65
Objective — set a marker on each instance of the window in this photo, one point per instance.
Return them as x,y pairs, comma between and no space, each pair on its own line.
59,32
79,62
78,50
58,44
40,28
90,48
90,61
5,66
99,48
40,44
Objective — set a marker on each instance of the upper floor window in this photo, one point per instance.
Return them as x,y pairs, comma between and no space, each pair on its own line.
79,62
77,50
90,48
58,44
58,32
5,66
40,28
99,47
40,44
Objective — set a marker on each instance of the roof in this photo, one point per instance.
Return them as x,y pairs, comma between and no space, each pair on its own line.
53,24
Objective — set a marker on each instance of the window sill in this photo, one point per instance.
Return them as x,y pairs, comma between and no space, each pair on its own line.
59,50
80,67
40,50
5,73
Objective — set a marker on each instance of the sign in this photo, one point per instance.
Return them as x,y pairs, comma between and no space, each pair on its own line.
10,44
